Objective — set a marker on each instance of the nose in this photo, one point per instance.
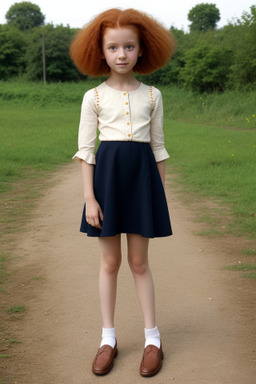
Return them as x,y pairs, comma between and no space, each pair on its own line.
121,53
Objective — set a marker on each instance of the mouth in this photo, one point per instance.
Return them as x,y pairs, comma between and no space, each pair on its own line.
122,64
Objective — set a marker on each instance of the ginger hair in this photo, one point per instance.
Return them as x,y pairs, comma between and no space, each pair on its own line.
157,43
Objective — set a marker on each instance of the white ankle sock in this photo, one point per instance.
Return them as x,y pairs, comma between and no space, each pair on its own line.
108,337
152,337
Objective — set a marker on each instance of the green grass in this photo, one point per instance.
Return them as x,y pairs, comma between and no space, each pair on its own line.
244,268
217,162
16,309
13,341
35,138
249,252
21,92
228,109
250,276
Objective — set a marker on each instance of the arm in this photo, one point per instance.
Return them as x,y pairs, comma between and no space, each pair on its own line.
161,169
93,210
156,130
87,129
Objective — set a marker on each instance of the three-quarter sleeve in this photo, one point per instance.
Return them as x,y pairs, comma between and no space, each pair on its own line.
87,135
156,129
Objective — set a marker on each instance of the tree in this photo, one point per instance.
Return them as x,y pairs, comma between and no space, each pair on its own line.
25,16
59,66
203,17
243,69
206,67
12,50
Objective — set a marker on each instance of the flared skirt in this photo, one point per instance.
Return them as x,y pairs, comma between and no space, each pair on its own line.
129,190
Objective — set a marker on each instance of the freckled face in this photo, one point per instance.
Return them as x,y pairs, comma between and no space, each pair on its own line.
121,49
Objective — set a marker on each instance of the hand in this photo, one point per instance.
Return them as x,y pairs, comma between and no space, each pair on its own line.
94,213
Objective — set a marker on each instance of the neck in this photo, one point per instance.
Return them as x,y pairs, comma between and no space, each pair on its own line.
121,82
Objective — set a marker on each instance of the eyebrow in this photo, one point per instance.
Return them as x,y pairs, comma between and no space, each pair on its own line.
127,42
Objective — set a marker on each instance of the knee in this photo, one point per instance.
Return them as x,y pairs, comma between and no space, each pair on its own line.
111,264
138,264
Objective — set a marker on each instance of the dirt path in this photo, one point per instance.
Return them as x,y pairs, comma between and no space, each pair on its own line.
206,314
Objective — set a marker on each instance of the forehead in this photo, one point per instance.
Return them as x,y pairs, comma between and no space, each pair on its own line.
128,33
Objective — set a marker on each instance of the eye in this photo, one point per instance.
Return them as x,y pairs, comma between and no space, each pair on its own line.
112,48
129,47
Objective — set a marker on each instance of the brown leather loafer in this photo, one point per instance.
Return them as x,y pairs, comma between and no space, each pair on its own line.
104,360
151,362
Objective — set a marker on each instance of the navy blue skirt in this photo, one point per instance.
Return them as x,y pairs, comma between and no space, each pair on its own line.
129,190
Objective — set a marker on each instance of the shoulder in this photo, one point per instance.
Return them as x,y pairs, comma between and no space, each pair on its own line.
90,101
90,94
91,97
151,90
157,93
155,97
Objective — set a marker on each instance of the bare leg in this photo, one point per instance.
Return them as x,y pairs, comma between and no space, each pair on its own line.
110,248
138,262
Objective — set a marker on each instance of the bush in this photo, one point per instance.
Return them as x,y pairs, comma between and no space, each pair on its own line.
12,50
206,68
59,66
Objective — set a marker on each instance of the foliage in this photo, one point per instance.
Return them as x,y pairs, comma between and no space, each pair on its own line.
59,66
243,68
24,16
206,68
203,17
218,59
12,51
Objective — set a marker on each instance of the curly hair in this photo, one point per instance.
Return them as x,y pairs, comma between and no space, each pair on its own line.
157,43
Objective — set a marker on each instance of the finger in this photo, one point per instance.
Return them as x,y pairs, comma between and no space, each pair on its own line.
97,224
94,223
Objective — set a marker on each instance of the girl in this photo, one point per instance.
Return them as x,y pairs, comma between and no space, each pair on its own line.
124,183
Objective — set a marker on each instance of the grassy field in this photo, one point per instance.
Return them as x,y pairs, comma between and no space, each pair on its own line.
35,137
211,140
229,109
217,162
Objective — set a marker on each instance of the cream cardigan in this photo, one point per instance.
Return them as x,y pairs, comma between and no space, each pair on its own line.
121,116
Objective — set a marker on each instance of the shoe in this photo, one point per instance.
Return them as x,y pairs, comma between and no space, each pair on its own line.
151,362
104,360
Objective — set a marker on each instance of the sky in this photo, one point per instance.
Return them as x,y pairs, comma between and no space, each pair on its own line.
77,13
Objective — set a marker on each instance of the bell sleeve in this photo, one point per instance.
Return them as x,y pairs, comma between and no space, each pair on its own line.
87,135
156,129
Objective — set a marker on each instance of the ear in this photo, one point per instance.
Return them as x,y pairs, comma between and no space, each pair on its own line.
140,52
